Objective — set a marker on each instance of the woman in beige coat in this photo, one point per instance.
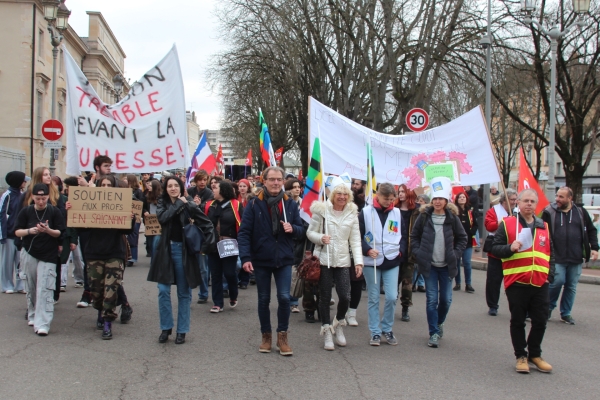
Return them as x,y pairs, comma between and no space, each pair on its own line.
343,235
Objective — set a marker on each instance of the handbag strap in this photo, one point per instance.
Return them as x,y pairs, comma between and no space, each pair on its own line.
188,216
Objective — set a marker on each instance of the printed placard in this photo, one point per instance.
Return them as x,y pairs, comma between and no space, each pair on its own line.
136,207
93,207
152,225
228,248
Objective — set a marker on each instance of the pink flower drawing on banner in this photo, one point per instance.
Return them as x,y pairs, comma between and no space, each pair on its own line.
419,162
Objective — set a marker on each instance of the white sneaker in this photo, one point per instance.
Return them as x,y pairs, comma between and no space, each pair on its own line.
9,291
30,323
82,304
332,302
327,331
351,317
42,332
340,339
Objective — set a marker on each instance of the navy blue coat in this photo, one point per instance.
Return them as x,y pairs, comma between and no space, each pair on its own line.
255,238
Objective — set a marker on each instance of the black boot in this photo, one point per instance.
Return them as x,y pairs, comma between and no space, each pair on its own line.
126,312
107,332
309,316
405,316
100,321
164,336
180,338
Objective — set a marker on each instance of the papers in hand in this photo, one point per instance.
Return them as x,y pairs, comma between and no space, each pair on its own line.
525,238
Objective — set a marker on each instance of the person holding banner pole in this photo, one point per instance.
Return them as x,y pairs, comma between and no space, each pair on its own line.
340,213
173,263
382,246
437,241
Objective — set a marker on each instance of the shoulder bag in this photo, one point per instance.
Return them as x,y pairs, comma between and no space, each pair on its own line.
310,267
192,235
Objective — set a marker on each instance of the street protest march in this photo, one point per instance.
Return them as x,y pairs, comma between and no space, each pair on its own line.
144,131
460,150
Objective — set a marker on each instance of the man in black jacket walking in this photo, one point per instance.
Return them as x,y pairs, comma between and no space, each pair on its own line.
575,240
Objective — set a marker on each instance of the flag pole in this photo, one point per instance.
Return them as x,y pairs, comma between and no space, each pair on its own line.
324,195
370,188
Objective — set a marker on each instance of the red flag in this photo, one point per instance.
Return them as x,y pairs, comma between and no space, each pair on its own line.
527,181
300,177
456,190
278,155
249,159
220,158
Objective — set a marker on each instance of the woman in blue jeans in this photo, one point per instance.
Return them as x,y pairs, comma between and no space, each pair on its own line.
469,223
437,241
171,262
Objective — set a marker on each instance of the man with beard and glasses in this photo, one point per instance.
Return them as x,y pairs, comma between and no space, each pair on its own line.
575,240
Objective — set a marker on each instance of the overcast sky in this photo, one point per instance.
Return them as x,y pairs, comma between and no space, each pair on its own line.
147,29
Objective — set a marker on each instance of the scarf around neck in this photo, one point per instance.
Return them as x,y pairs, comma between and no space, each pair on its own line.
272,204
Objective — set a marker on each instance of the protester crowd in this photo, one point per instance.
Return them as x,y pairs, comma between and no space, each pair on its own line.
393,244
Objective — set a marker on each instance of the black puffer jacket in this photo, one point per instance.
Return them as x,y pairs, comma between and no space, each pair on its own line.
161,268
422,238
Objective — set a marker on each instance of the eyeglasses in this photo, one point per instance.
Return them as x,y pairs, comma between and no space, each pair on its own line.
275,179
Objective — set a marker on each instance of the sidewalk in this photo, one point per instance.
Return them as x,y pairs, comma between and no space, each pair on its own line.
588,275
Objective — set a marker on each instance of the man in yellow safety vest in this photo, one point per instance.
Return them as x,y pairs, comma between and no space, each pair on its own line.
525,249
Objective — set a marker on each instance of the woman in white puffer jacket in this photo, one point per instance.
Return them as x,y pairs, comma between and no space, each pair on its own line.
343,234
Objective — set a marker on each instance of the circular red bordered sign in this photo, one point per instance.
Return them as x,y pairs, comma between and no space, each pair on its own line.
417,120
52,129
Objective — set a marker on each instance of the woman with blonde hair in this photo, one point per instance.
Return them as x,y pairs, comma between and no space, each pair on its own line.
42,175
333,243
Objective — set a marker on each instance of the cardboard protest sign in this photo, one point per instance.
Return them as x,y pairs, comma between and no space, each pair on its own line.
136,207
152,225
145,131
93,207
463,143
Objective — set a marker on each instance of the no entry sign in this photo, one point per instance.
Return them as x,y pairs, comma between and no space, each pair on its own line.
417,120
52,129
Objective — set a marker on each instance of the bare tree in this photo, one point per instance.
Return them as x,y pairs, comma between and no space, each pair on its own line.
371,60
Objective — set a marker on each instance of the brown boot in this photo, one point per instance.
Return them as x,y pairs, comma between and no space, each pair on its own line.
282,343
522,366
265,347
541,365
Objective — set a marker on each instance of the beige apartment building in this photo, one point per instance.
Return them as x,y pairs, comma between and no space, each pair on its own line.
26,80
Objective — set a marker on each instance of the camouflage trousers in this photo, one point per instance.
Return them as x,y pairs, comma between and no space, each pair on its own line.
105,278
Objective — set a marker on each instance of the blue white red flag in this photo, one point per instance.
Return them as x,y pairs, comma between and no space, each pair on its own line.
203,158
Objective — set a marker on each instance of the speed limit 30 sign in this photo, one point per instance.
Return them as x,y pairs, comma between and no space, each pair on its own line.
417,120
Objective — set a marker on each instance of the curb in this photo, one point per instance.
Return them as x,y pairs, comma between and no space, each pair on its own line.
589,279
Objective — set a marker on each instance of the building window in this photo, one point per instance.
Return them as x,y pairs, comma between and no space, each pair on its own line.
41,43
558,168
60,112
598,168
40,111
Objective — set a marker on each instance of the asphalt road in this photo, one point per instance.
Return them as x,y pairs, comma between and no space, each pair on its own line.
220,359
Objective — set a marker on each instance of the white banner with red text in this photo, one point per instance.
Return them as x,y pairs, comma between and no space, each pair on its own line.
144,131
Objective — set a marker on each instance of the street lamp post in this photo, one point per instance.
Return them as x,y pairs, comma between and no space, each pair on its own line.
118,86
57,15
580,7
486,43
